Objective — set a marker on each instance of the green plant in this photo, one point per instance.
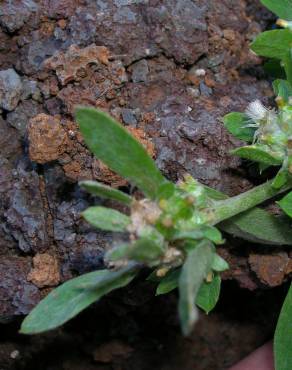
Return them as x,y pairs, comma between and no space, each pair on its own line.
270,133
171,231
175,228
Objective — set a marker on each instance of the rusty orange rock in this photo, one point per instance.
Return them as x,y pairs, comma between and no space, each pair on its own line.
47,138
271,269
71,65
52,139
45,271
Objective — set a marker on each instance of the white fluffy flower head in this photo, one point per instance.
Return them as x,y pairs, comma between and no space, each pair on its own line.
256,111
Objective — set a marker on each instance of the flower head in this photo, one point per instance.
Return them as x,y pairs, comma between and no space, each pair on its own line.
256,111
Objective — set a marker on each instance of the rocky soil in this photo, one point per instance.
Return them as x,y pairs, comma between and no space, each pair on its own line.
168,70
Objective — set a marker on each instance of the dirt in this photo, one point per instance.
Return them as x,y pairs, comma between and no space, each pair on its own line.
168,70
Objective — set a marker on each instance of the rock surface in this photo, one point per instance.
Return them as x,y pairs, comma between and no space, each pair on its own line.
10,89
142,62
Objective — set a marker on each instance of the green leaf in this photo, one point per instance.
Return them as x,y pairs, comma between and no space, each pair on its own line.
166,190
146,250
212,233
208,294
236,124
287,64
193,234
283,336
119,150
106,218
281,178
282,8
214,194
142,250
169,282
118,253
149,247
70,298
104,191
273,44
259,226
195,269
283,89
274,68
219,264
153,277
286,204
256,225
254,153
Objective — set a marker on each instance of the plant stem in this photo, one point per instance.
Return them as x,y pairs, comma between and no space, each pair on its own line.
224,209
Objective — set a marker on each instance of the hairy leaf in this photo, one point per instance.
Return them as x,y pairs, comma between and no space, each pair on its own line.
214,194
166,190
286,204
104,191
193,234
254,153
70,298
212,233
195,269
287,64
106,218
235,123
208,294
219,264
283,336
259,226
119,150
282,8
146,250
142,250
273,44
281,178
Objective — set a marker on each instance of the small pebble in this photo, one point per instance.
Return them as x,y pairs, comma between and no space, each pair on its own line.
129,117
200,72
14,354
193,92
205,90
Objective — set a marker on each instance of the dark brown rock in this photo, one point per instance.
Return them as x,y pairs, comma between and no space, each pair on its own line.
271,269
17,295
10,89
